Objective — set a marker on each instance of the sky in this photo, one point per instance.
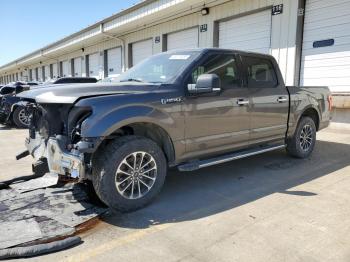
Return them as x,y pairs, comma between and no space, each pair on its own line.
28,25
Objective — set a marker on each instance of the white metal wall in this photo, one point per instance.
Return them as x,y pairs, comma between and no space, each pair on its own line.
283,32
328,65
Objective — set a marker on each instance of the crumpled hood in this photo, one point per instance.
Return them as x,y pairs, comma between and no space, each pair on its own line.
69,94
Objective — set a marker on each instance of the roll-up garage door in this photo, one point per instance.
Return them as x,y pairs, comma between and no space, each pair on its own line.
77,67
93,65
183,39
40,74
326,45
141,50
47,72
247,33
65,69
114,61
54,70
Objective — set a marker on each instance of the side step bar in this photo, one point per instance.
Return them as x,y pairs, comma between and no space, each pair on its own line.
198,164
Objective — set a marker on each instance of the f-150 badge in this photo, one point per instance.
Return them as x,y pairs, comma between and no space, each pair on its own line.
165,101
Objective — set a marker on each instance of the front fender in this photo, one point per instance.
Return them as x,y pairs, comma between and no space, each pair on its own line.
104,124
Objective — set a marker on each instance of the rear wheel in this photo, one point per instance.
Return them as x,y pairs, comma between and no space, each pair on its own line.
21,117
129,173
303,142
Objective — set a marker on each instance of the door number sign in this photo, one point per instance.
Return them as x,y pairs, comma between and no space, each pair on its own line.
277,9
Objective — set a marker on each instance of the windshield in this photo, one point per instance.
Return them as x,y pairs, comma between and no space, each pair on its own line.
162,68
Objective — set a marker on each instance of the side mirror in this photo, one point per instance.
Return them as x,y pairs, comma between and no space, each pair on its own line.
206,83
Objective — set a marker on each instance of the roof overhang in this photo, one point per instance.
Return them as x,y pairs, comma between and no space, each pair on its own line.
134,18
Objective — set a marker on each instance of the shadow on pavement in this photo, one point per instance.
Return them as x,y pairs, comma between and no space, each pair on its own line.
195,195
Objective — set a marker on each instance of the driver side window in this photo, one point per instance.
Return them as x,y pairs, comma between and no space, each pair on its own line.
224,66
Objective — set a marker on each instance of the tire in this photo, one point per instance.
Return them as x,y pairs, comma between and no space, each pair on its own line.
303,141
20,117
112,165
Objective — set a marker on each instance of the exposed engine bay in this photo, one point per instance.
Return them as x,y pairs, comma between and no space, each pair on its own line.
54,135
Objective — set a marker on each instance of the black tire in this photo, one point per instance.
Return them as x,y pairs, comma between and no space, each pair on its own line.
16,117
109,159
295,146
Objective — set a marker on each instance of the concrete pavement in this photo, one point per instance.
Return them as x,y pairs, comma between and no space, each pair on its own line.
265,208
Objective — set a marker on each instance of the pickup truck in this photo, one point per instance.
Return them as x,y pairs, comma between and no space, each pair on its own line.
188,109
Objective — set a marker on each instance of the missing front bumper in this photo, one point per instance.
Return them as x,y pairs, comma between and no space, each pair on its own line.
59,160
62,162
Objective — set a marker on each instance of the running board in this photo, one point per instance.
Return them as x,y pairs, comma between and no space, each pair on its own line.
197,164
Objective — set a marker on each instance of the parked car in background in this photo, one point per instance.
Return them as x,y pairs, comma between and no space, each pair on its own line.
71,80
12,112
187,109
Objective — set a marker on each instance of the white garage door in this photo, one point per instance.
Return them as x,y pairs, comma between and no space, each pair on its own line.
183,39
247,33
93,65
54,70
40,74
141,50
47,72
114,61
65,69
326,45
77,67
32,74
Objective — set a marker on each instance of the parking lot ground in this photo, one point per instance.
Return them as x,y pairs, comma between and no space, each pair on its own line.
265,208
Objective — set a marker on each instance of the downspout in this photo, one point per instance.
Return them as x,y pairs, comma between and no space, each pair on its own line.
119,39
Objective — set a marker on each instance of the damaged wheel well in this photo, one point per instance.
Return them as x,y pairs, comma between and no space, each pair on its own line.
151,131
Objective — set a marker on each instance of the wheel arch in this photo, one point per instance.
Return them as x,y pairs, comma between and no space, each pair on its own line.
148,130
312,113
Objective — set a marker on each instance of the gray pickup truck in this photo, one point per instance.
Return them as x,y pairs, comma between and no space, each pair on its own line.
188,109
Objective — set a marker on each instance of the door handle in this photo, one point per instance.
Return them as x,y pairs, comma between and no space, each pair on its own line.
242,102
282,99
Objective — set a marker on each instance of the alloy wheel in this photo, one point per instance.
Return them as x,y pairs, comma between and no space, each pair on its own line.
306,138
136,175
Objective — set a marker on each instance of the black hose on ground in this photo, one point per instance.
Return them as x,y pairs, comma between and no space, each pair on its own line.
41,249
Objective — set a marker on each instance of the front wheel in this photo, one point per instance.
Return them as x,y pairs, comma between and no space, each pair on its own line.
129,173
303,141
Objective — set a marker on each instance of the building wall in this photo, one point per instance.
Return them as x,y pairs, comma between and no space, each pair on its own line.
283,36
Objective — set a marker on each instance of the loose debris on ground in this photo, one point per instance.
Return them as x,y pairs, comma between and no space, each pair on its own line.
43,209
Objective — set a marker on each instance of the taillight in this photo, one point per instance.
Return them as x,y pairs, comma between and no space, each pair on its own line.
330,102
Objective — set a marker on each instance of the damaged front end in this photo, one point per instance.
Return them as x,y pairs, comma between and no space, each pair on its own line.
55,139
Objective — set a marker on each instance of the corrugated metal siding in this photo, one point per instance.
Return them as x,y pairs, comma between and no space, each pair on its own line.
283,29
329,65
248,33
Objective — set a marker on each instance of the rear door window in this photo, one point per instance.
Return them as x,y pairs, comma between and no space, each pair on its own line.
260,72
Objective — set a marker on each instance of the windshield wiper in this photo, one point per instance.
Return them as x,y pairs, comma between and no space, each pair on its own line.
131,80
